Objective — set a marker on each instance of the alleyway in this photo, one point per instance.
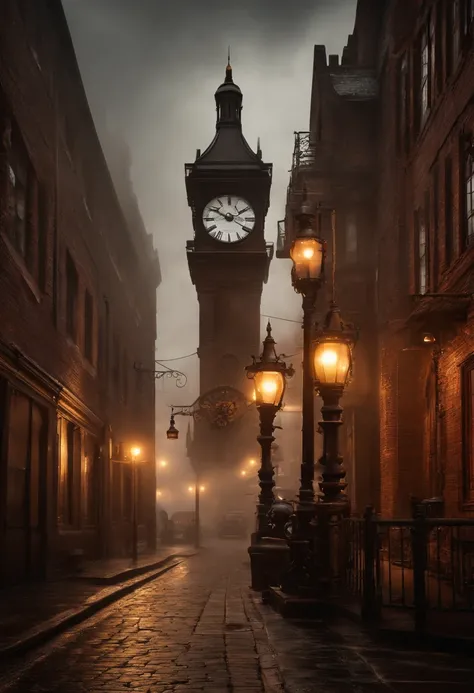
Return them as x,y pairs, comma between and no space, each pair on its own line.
197,628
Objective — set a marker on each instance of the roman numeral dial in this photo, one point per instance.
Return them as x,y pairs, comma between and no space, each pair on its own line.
228,219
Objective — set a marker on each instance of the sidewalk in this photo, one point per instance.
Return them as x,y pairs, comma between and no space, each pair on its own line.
31,613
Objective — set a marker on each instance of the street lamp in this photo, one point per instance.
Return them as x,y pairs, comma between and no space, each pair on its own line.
269,374
332,362
308,253
172,433
135,453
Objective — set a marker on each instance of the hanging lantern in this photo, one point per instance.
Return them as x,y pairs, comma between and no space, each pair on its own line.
172,433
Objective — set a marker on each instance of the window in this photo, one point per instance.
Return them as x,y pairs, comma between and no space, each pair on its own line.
448,211
351,238
404,105
72,286
19,178
88,327
425,74
469,195
42,237
89,504
467,17
125,377
69,456
468,429
421,249
435,234
455,29
437,50
116,365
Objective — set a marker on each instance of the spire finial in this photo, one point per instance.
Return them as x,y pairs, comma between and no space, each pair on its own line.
228,70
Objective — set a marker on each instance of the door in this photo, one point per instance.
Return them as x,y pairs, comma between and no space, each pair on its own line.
26,488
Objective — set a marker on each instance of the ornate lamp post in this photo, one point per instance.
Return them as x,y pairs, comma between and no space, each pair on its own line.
308,255
269,374
332,361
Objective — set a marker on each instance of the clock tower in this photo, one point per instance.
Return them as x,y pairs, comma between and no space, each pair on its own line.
228,190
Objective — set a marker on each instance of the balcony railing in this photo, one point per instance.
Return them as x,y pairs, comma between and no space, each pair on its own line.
281,236
303,151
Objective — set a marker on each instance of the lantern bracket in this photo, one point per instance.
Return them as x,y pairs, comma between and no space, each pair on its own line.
181,378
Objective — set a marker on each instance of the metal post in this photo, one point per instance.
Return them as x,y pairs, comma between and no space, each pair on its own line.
265,474
134,514
333,484
298,575
197,519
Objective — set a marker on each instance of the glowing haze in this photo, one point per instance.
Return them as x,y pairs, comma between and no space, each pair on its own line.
150,69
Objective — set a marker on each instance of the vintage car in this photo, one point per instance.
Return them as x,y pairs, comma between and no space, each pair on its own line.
182,526
232,524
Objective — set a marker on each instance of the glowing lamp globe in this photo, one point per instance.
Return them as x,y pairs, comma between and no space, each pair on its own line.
332,363
307,255
269,388
332,355
269,375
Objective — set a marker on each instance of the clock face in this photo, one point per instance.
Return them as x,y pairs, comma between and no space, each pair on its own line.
228,218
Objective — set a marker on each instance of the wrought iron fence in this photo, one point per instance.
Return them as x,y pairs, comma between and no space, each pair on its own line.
421,564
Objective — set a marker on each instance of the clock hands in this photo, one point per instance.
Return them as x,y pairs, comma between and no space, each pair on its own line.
214,209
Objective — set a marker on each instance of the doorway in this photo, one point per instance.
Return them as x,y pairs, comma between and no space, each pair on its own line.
26,489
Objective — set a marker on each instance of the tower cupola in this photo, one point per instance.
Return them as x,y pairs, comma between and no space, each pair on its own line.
228,101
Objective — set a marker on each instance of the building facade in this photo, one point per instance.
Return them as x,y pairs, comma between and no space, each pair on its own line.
400,108
78,287
334,162
425,64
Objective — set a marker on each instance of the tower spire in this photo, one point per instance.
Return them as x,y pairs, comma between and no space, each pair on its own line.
228,70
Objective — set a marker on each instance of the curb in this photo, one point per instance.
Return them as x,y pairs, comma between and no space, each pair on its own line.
129,573
61,622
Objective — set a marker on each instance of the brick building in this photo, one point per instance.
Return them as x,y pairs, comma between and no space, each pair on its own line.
78,280
334,161
402,120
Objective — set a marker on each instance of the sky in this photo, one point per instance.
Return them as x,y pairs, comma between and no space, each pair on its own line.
150,69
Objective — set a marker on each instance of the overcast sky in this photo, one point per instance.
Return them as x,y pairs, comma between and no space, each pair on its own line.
150,69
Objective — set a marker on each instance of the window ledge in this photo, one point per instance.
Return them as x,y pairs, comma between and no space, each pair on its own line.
24,271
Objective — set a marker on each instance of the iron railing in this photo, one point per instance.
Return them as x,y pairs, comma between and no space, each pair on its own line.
303,151
421,564
281,236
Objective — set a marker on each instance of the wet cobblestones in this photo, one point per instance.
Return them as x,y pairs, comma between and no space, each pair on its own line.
199,628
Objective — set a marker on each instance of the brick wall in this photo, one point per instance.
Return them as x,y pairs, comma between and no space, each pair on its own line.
412,436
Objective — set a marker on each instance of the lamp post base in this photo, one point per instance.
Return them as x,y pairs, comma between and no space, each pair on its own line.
269,559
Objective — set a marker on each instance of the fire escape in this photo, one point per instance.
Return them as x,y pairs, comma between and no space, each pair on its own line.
302,164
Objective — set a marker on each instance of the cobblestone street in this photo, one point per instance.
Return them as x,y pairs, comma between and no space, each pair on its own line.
198,628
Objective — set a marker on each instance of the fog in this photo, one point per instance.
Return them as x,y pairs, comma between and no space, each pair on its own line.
150,69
